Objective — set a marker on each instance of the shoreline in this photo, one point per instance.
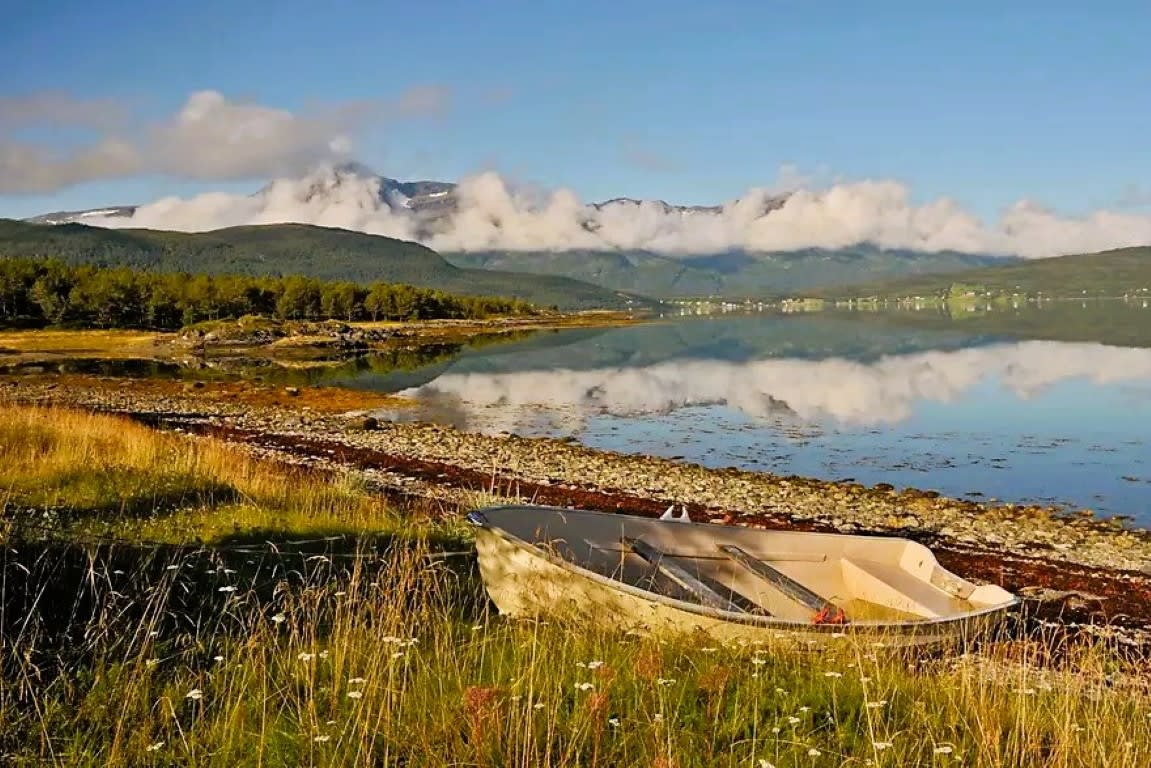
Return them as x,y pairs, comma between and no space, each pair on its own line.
1070,571
265,339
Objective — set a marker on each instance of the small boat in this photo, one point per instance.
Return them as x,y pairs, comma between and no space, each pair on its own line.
729,581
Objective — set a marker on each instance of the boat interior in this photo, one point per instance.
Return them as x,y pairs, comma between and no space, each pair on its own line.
793,576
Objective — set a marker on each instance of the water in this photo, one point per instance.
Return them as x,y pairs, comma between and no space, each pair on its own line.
970,414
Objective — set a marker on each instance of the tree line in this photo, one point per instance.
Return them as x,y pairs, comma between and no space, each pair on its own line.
37,292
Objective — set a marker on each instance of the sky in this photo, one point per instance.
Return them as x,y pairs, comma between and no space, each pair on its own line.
983,103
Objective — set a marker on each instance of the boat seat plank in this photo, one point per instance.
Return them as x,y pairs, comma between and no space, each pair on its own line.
824,611
703,588
891,586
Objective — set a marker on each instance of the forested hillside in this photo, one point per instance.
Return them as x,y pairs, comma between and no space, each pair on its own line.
48,292
280,250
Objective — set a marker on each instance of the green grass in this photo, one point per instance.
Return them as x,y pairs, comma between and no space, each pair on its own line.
382,652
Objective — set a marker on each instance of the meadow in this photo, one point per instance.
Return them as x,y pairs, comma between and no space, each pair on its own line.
169,600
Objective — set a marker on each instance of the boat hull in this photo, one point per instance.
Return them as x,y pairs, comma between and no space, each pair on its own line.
524,580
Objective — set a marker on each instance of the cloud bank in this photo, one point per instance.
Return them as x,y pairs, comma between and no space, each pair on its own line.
835,390
490,213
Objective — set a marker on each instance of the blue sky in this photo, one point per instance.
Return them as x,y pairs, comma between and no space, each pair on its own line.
692,102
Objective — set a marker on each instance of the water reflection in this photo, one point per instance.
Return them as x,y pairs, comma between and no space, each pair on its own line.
968,414
837,390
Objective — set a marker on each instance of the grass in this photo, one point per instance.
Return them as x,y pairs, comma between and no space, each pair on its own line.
111,344
76,473
383,653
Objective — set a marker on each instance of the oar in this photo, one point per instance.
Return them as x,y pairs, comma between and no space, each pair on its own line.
825,611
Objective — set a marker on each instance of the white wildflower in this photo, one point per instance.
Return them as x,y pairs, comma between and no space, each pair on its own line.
657,717
538,706
195,694
217,659
322,739
584,686
813,752
228,588
944,750
881,745
356,681
355,694
793,720
613,722
758,661
306,656
764,764
397,654
594,664
833,674
876,704
155,747
279,618
665,681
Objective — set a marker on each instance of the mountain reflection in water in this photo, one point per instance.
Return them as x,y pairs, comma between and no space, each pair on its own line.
965,414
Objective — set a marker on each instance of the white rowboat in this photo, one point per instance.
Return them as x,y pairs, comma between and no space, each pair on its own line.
729,581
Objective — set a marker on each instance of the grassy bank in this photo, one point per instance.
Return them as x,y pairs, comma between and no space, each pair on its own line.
379,652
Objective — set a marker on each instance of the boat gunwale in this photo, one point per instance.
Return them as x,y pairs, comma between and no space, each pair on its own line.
901,627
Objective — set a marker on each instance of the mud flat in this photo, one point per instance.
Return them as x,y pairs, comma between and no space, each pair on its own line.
1073,570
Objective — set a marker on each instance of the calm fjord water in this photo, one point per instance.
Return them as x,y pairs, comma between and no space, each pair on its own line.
826,395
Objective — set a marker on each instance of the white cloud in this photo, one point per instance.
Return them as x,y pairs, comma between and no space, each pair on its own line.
492,213
211,137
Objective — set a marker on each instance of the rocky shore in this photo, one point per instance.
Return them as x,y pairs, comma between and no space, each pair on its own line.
1075,570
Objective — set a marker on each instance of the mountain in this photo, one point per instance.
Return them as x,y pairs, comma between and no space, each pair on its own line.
1119,272
300,249
353,197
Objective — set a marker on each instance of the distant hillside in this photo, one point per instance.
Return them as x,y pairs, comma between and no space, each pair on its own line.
1107,273
734,274
296,249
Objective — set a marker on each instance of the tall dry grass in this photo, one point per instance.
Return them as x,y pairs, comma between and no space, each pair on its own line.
93,474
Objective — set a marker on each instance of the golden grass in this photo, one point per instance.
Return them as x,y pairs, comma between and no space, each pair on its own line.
249,393
97,474
83,343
